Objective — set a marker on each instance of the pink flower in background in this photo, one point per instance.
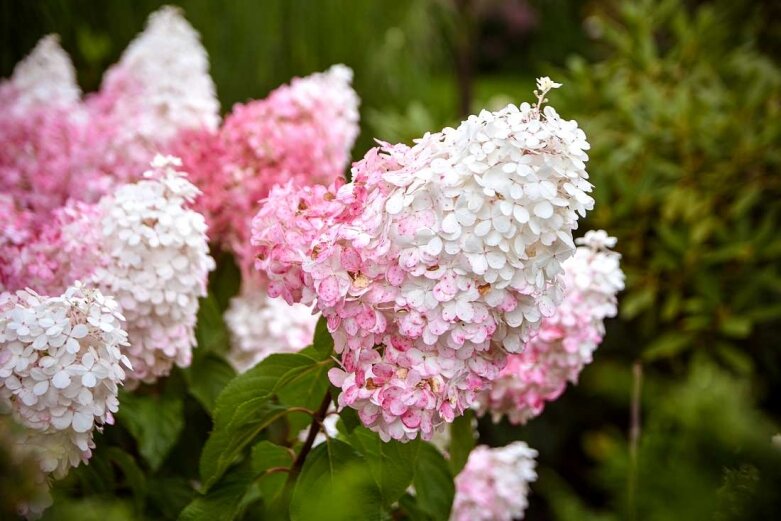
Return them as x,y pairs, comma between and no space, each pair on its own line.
160,88
434,262
566,341
301,133
494,484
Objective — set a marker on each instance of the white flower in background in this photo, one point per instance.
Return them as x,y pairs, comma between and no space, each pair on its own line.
566,341
160,87
60,367
494,484
161,84
155,262
260,326
45,78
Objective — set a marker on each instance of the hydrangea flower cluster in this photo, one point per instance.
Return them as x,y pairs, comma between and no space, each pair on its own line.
435,261
260,326
54,147
494,484
155,262
566,341
160,88
40,132
45,78
60,367
301,132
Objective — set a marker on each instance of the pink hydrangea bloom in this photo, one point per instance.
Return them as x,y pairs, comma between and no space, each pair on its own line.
160,88
302,133
494,484
566,341
434,262
45,78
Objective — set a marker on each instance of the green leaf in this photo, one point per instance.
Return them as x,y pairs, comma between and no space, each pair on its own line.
304,387
667,346
210,331
207,377
265,456
392,464
323,342
335,485
462,441
433,482
224,502
245,407
134,476
154,421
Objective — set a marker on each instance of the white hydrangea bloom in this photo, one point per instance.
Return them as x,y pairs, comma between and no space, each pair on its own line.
496,200
156,262
161,84
494,484
260,326
60,367
45,78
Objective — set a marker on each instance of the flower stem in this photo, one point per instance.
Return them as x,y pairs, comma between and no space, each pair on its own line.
314,428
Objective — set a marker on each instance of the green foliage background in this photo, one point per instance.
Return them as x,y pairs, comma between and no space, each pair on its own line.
681,103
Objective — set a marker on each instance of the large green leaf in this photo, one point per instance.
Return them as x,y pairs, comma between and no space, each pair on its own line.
155,421
323,342
335,485
247,405
210,331
392,464
224,502
462,441
434,488
207,377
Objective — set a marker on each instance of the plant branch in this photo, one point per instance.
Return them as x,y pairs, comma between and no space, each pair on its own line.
634,437
314,428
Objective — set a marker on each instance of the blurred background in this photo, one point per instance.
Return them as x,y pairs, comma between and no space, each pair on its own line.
681,101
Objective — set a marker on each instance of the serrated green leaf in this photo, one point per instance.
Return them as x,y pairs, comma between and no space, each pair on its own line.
266,455
224,502
462,441
434,488
247,405
134,476
392,464
667,346
323,342
210,331
207,377
335,485
155,421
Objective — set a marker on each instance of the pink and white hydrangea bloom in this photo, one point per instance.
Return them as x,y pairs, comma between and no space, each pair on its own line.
302,132
155,261
160,88
260,326
567,340
45,78
434,262
494,484
60,368
144,246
